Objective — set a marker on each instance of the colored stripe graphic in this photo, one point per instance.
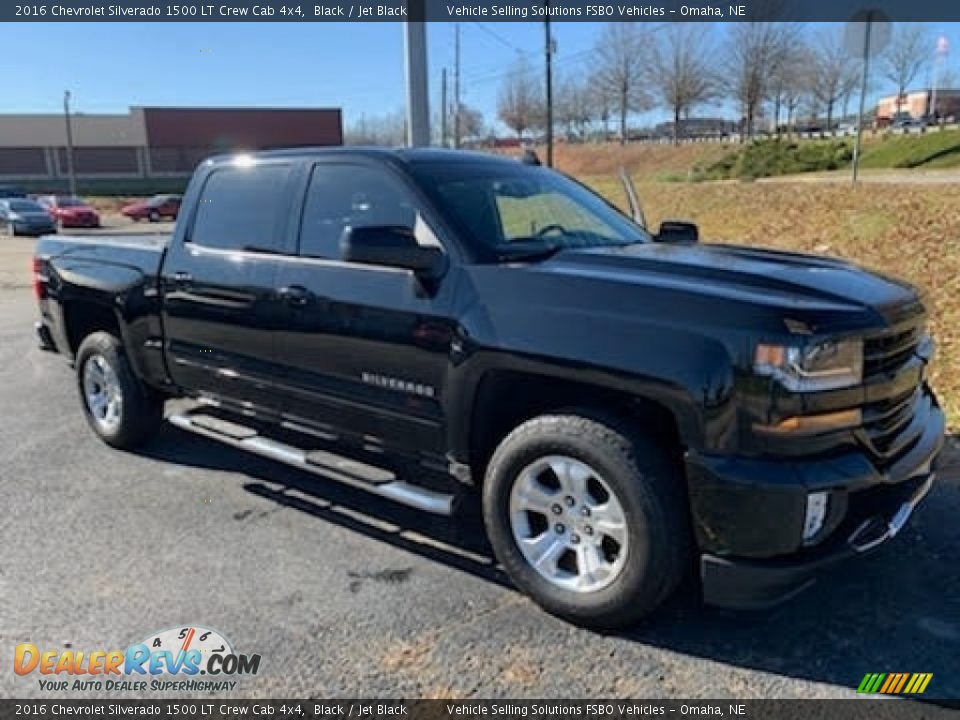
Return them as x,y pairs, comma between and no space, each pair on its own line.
903,681
895,683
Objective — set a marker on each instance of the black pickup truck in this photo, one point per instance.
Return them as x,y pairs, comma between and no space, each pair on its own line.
440,328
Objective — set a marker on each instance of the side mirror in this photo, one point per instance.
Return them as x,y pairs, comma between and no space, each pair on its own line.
677,232
392,246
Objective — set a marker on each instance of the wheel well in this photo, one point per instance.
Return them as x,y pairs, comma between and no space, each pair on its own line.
84,318
505,399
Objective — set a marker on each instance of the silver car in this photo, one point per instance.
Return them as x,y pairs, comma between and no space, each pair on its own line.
25,217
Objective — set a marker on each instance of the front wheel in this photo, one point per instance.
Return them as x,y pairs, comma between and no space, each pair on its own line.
119,409
588,517
154,216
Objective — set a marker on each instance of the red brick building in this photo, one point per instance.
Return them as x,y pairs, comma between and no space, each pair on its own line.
150,147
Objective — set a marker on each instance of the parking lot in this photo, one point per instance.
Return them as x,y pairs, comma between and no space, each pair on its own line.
347,595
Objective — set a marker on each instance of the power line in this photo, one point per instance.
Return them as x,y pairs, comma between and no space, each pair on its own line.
499,38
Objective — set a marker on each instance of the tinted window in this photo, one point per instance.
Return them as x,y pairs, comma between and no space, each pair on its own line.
243,208
24,206
507,207
341,196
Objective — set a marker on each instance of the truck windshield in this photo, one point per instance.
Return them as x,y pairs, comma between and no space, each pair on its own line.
524,211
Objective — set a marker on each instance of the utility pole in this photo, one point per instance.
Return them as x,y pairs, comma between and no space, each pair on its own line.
548,52
863,95
71,177
418,105
443,109
938,59
456,86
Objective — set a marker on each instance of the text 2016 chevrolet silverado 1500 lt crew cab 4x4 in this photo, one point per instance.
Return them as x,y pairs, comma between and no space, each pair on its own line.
440,327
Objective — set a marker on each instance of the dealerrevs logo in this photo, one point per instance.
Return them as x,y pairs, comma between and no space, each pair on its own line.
168,660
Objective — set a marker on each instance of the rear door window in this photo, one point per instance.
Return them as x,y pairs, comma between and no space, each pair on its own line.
244,208
343,195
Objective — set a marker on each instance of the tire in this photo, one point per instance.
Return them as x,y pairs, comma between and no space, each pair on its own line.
154,216
101,363
635,474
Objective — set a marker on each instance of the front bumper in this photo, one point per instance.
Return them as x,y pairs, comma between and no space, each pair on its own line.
85,221
748,514
24,228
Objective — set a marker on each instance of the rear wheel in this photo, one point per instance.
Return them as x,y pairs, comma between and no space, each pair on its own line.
117,406
154,216
588,517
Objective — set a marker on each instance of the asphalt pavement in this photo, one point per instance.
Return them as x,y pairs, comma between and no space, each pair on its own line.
346,595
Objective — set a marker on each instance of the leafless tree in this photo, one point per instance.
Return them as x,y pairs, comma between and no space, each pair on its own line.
756,51
389,129
573,109
520,103
622,59
601,103
680,70
903,59
833,73
472,126
789,83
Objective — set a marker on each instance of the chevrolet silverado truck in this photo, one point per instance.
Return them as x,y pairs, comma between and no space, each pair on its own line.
439,328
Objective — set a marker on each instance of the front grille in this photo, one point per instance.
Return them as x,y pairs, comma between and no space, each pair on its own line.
886,353
885,420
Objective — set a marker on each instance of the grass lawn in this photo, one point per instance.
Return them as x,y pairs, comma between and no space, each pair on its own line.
929,150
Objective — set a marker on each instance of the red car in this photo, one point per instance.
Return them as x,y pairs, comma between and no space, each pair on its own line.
154,209
70,211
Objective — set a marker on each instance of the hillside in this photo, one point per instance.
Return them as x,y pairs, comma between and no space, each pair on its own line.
731,160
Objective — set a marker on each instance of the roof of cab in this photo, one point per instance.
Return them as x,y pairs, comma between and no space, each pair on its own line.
410,156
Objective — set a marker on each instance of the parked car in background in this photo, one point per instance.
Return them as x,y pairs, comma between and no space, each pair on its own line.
154,209
25,217
908,123
12,191
845,129
70,211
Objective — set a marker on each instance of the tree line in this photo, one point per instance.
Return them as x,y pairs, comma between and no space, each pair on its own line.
781,73
766,70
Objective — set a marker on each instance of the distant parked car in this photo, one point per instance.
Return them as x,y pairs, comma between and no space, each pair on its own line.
845,129
70,211
154,209
12,191
25,217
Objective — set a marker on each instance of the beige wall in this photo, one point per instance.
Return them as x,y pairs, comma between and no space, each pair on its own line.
94,130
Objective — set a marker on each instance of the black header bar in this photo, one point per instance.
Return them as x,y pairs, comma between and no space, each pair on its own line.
653,11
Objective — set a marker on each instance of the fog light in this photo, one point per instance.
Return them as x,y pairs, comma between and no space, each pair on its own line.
816,514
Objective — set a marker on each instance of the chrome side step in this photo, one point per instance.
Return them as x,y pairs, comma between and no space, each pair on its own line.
328,465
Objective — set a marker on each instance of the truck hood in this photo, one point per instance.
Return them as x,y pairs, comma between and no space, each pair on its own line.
743,273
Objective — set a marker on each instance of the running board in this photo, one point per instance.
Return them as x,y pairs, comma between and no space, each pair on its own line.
349,472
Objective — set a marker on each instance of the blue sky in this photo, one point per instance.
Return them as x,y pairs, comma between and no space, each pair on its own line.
359,67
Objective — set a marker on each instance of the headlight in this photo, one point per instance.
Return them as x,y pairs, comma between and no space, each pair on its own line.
13,216
823,366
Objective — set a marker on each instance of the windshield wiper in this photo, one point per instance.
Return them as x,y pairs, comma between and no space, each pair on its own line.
528,252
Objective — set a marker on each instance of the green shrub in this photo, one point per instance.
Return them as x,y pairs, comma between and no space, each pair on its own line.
768,158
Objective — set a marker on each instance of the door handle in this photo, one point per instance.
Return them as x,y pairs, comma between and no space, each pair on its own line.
296,295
